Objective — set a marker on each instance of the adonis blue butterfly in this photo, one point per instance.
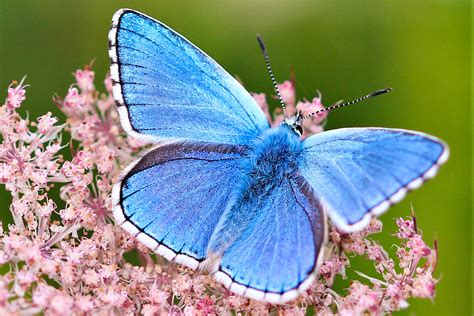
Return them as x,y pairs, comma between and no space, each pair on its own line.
225,192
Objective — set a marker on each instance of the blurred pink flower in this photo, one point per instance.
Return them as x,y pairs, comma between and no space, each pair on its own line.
16,95
205,305
307,108
312,125
65,256
287,92
261,100
46,122
73,99
418,246
85,79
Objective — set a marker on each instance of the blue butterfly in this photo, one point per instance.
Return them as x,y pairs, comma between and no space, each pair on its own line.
225,192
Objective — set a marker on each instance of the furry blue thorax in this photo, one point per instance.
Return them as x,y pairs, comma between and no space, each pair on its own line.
270,158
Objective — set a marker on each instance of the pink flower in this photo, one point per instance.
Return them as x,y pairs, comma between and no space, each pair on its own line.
396,291
42,295
406,228
85,79
68,273
418,247
5,172
287,92
332,267
189,310
347,312
84,303
68,214
4,294
24,279
158,296
16,95
49,267
295,311
108,83
39,176
61,304
150,310
205,305
315,105
375,253
34,255
90,277
46,122
73,99
235,302
182,285
261,100
47,209
424,286
108,272
3,257
105,159
113,297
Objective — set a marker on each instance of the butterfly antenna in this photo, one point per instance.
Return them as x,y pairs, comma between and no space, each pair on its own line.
270,71
340,105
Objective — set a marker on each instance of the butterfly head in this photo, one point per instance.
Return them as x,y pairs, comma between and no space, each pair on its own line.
295,123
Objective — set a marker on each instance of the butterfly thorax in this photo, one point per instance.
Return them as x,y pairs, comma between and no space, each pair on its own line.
271,157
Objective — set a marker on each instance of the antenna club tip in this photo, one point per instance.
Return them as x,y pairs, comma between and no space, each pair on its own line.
261,43
379,92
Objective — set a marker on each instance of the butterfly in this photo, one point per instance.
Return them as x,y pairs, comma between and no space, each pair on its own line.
222,190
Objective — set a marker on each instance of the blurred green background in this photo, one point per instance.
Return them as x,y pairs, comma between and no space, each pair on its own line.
343,48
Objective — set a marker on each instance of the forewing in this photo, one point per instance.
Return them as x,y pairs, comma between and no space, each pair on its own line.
358,172
173,197
279,253
166,87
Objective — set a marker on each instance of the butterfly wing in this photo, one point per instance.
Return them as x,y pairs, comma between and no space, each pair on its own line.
173,197
165,87
358,172
278,254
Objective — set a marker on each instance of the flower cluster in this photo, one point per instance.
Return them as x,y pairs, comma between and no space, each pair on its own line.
62,254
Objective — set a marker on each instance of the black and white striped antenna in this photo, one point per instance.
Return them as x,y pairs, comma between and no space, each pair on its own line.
272,76
340,105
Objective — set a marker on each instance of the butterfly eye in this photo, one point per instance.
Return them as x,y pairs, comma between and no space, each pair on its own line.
298,129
